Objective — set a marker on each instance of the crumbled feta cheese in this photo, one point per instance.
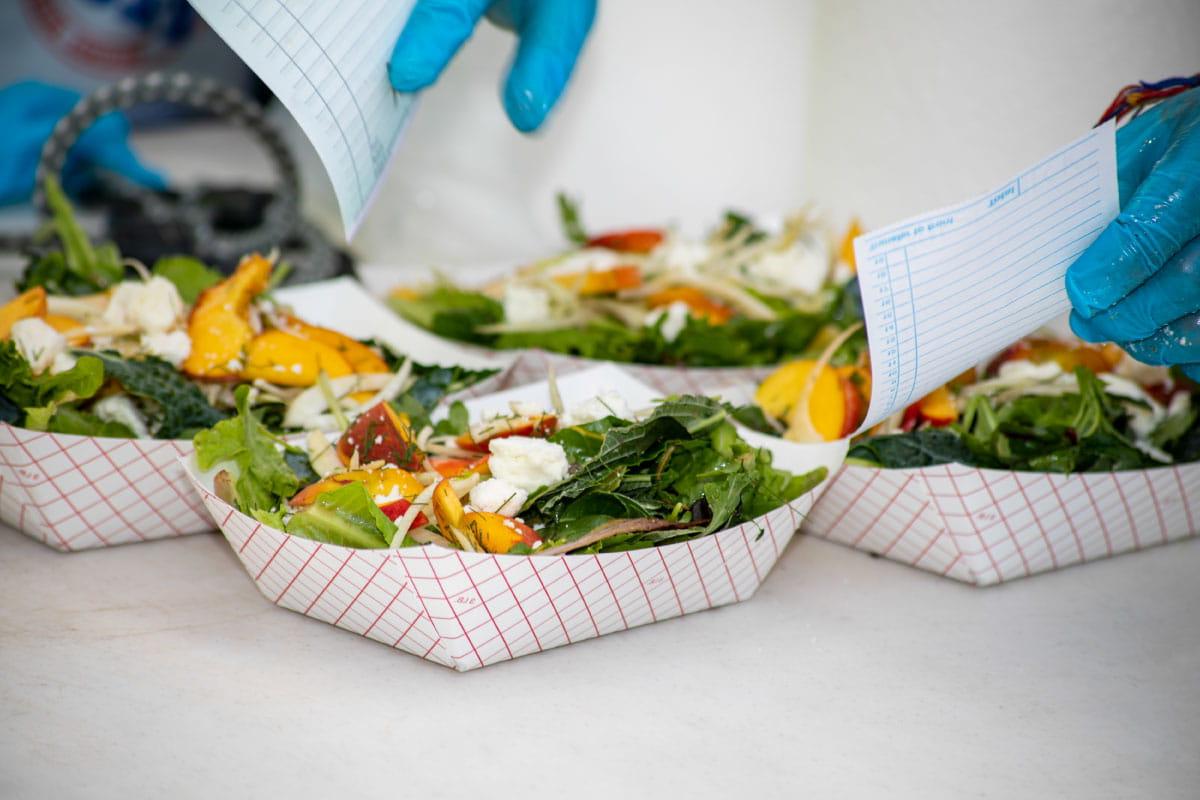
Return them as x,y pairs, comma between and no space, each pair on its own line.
119,408
38,343
525,304
152,306
524,409
173,347
802,267
682,255
676,318
1021,370
527,463
499,497
599,407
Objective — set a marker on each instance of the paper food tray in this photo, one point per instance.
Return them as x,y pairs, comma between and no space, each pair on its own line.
81,492
467,610
985,526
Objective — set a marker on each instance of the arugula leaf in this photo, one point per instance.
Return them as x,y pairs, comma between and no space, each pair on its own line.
77,267
179,404
190,275
736,222
568,215
685,463
346,516
264,477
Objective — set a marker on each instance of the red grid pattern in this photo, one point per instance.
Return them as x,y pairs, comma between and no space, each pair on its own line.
533,365
989,526
80,492
467,610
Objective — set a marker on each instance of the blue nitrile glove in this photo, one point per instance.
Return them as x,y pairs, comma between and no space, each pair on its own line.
28,113
551,34
1139,283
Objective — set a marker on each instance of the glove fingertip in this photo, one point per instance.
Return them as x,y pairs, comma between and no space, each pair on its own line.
535,83
1085,329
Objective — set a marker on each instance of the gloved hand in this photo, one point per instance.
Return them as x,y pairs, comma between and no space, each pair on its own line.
551,34
1139,283
28,113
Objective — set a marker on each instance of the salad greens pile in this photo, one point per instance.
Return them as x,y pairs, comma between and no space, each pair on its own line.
681,473
464,315
685,465
53,402
1088,430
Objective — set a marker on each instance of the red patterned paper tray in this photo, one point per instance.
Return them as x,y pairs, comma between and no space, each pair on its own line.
986,526
467,610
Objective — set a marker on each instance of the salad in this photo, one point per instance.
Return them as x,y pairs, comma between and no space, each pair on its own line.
597,478
1043,405
741,296
97,345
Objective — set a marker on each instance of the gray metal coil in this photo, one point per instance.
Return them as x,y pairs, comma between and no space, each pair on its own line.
282,215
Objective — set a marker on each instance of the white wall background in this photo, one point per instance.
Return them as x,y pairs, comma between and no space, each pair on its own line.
681,108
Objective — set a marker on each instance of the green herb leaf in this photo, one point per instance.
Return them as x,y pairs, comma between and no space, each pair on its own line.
264,478
190,275
77,267
568,216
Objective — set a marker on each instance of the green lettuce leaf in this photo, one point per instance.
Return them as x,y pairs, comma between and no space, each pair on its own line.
264,478
346,516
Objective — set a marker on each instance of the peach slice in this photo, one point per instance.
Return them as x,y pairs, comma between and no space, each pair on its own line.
361,358
497,533
603,281
279,357
383,482
779,393
25,305
938,407
478,437
395,511
459,467
697,301
219,325
380,434
73,329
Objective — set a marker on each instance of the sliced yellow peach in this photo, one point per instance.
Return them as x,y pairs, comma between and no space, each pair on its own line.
779,393
938,407
447,508
846,251
601,281
382,482
497,533
361,358
25,305
286,360
697,301
219,325
73,329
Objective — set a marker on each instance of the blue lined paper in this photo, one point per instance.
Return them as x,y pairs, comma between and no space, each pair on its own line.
944,290
327,63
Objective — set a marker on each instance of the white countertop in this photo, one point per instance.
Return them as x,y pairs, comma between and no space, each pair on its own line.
158,670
